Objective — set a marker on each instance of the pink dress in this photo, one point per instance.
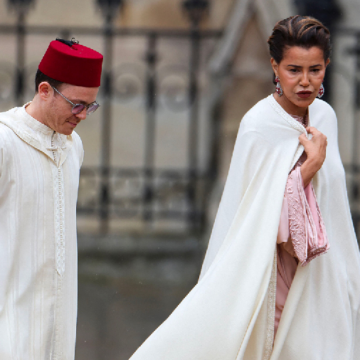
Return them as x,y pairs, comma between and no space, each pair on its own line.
301,236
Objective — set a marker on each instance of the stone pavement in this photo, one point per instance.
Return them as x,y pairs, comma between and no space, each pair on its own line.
115,317
127,291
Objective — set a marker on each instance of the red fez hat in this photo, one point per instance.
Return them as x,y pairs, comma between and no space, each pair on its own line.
72,63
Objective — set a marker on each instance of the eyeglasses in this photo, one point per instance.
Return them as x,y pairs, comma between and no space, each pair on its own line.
78,108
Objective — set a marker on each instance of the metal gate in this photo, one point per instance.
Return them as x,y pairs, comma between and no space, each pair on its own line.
169,198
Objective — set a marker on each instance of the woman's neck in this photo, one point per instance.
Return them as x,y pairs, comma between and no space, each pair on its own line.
289,107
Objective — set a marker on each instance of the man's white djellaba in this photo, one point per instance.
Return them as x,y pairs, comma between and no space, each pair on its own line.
229,314
39,180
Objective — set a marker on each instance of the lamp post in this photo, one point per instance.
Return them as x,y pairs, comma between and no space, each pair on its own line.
196,10
109,8
21,7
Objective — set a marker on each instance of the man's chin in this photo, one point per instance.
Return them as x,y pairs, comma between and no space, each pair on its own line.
66,132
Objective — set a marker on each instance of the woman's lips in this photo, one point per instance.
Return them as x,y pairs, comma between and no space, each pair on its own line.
304,94
72,124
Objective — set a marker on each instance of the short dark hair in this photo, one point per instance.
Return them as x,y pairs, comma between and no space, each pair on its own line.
303,31
41,77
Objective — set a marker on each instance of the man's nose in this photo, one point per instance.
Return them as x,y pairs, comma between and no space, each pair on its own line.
82,115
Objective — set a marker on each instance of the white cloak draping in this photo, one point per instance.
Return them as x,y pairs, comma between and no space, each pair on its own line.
39,177
229,314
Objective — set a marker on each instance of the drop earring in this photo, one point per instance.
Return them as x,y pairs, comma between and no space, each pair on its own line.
278,88
321,91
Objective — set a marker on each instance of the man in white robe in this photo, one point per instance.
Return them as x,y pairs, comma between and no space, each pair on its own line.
40,159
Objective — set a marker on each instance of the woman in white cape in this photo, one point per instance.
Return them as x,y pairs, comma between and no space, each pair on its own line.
235,309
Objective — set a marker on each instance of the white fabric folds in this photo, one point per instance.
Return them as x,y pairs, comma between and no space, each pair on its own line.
229,314
39,178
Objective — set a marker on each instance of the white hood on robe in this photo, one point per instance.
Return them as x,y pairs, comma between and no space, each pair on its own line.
230,312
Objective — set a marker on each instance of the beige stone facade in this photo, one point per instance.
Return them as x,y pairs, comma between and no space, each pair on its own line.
163,14
235,74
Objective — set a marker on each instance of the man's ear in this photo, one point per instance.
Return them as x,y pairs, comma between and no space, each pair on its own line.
45,90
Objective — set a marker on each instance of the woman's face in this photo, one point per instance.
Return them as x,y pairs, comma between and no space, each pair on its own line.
301,73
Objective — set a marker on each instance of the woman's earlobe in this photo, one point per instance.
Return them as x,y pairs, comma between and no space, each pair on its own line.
274,66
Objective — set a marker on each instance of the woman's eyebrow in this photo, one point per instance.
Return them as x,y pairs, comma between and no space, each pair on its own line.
299,67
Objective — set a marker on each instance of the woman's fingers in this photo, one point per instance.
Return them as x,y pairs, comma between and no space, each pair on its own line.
313,131
317,135
303,139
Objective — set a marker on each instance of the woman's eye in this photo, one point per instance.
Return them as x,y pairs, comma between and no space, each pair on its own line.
293,70
315,70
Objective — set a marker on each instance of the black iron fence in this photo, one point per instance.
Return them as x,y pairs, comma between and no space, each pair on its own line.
147,193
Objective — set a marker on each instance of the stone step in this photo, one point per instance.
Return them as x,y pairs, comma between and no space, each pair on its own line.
140,259
132,246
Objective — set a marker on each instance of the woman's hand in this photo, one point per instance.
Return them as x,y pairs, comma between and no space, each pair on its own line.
315,150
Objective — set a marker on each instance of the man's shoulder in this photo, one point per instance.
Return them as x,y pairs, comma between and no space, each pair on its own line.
77,143
8,114
6,118
6,124
5,130
76,139
75,136
78,146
